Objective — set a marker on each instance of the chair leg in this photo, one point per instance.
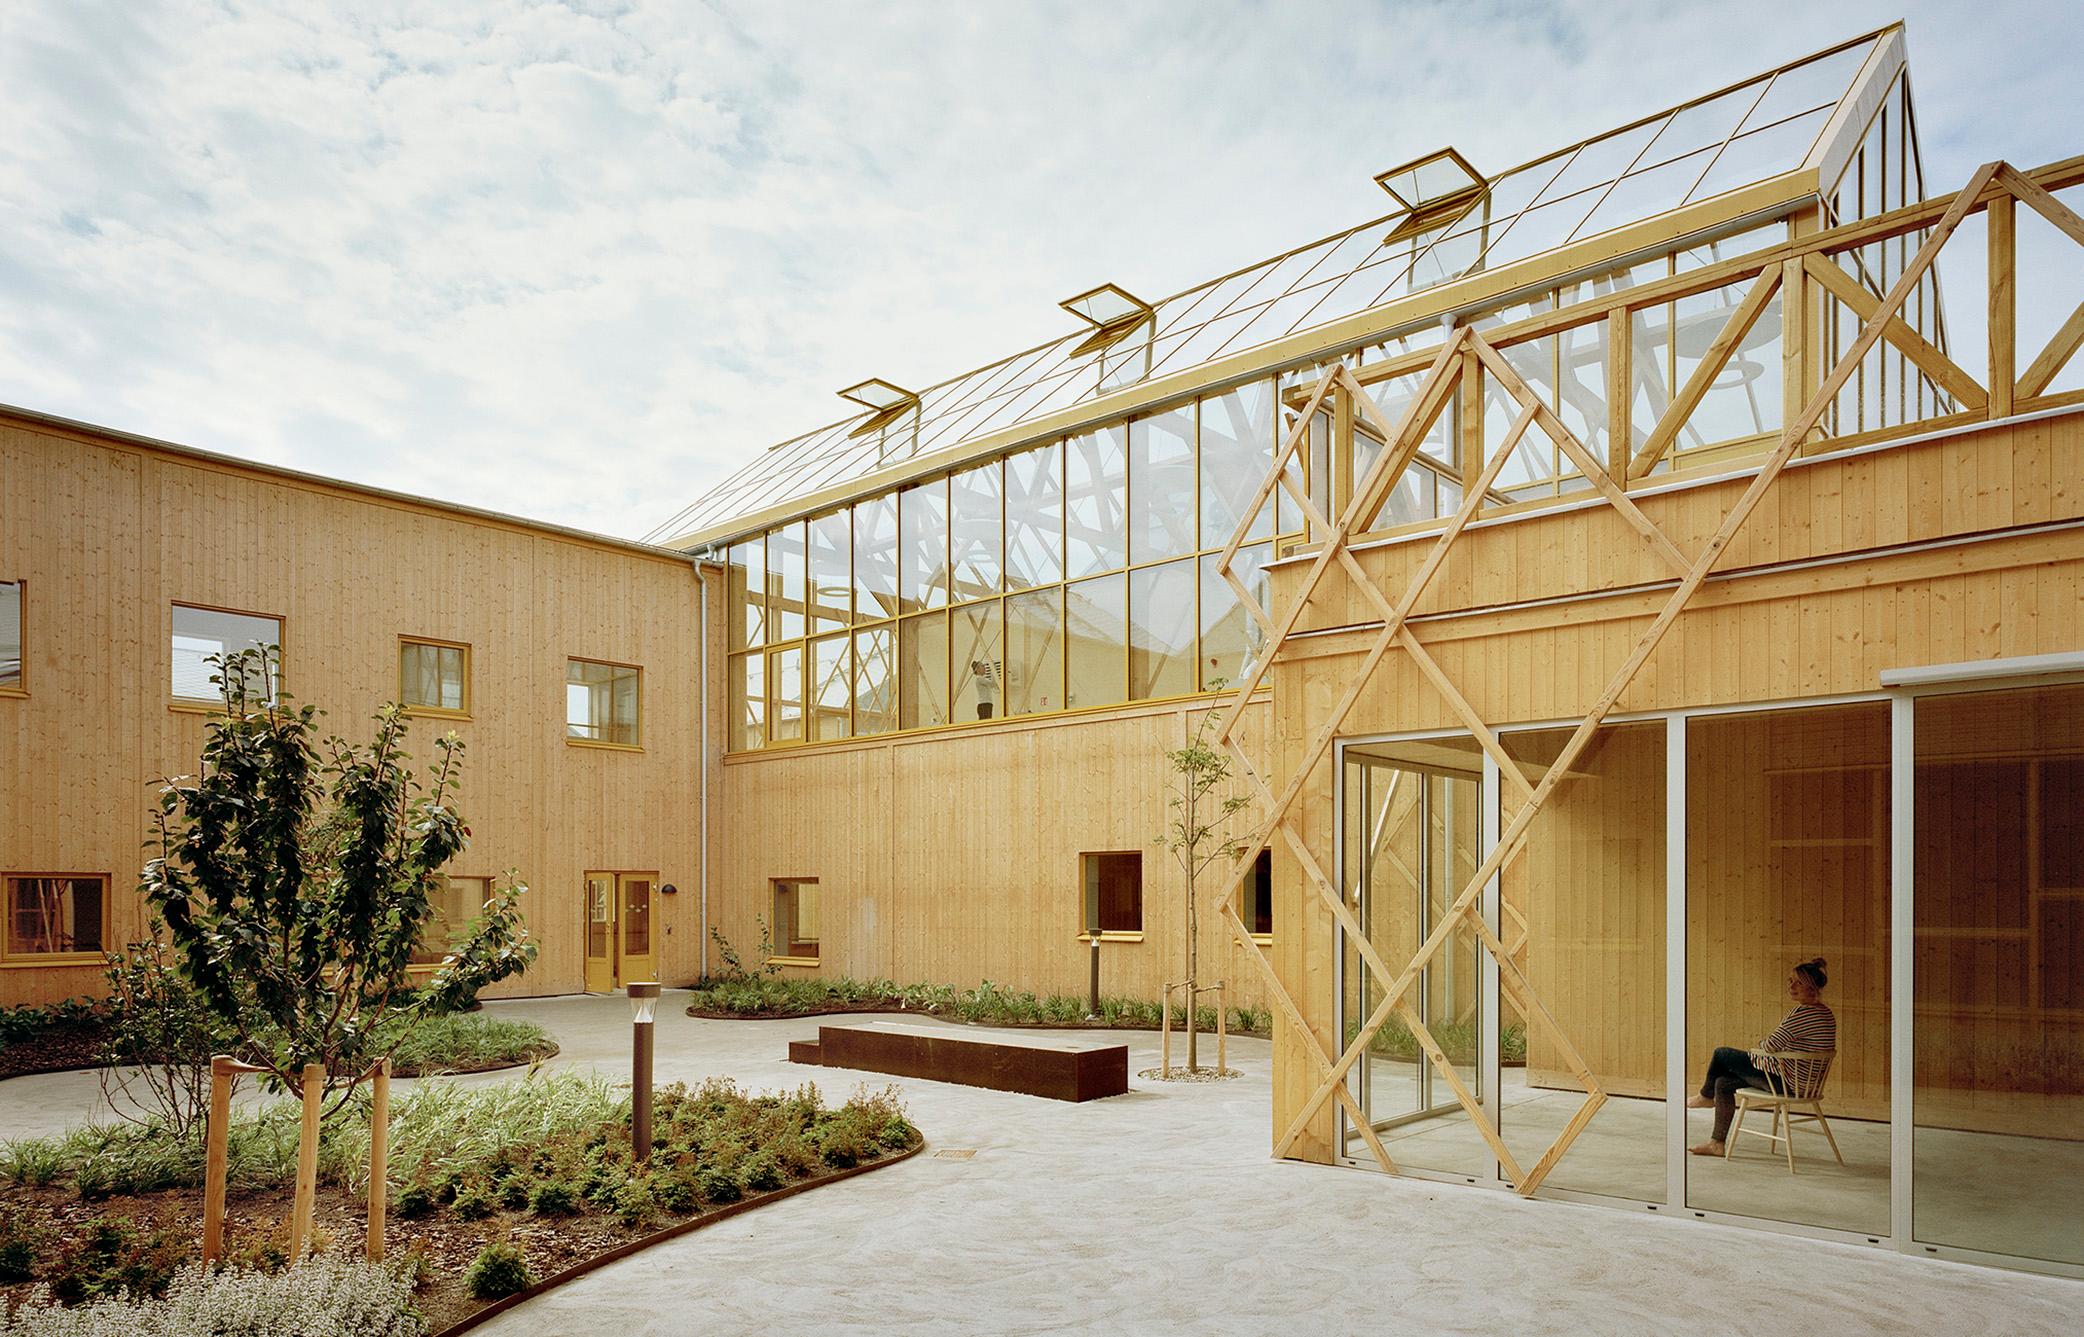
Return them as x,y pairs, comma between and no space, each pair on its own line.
1787,1133
1825,1124
1729,1148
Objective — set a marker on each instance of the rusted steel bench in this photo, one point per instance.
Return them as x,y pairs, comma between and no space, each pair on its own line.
1053,1068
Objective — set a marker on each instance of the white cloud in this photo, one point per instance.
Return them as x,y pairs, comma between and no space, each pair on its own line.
580,261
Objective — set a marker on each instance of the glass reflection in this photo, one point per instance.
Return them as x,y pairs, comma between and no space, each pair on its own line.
1035,517
922,670
831,570
1161,630
1035,652
1096,491
980,673
875,681
922,546
1161,485
1095,641
974,531
875,557
831,688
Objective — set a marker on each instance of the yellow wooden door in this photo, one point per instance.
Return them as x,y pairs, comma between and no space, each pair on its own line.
639,943
600,932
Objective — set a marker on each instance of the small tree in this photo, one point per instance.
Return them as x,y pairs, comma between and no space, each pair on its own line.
161,1034
1198,834
296,878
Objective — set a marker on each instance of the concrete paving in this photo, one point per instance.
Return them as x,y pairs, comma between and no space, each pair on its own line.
1160,1212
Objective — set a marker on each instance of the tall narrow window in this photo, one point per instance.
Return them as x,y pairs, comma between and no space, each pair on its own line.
1113,892
1258,899
10,635
601,703
55,916
203,633
456,905
796,919
433,677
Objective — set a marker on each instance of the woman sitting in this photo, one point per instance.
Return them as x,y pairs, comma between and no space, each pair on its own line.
1809,1027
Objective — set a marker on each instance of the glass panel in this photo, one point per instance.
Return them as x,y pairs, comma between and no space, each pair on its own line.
1761,155
53,916
748,702
1998,913
1704,125
1161,485
875,681
1035,652
200,633
1787,862
636,916
601,702
1412,826
922,521
1161,630
1811,84
1113,892
10,633
1035,517
831,570
1645,194
787,577
430,677
1095,621
796,919
785,691
1744,398
1096,494
1582,917
875,557
975,531
831,679
922,667
980,674
1230,640
600,917
748,593
1237,449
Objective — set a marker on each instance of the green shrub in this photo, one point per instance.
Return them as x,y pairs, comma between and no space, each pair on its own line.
717,1185
474,1200
414,1200
633,1202
676,1192
762,1173
115,1255
22,1242
498,1271
515,1191
455,1042
553,1197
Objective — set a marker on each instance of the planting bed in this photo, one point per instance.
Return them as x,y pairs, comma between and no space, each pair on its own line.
541,1167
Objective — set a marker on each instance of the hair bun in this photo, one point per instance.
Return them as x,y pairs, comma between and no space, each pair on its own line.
1819,963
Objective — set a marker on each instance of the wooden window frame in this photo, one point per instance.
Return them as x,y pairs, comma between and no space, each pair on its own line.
20,687
1110,935
429,967
783,958
436,712
12,959
601,743
189,705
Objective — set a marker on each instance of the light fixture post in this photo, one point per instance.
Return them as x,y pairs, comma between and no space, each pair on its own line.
643,1008
1092,1006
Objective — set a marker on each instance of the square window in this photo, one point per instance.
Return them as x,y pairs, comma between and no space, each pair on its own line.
1113,892
602,702
796,919
10,635
52,915
457,902
201,633
433,677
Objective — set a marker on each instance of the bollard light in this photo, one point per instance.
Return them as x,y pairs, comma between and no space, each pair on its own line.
643,1007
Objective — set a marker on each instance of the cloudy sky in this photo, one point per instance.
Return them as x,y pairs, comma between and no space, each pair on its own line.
579,260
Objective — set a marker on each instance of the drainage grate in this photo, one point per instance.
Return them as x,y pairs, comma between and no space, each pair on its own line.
951,1154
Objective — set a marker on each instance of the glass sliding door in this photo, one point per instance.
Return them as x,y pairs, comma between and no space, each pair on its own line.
1997,1105
1787,861
1413,825
1583,920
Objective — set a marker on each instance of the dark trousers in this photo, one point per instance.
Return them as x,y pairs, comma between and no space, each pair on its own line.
1730,1071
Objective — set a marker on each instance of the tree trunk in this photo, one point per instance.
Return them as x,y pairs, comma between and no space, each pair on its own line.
1193,955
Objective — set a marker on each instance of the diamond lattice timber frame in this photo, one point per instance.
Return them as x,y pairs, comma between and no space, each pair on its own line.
1464,349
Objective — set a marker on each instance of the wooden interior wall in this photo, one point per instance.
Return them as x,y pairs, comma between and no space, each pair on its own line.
953,858
108,535
1768,636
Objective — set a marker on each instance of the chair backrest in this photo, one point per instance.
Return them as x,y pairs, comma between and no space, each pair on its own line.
1798,1074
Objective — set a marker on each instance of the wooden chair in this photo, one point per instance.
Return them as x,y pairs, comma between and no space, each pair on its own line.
1794,1092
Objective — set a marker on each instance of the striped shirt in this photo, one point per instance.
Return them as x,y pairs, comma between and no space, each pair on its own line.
1809,1027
